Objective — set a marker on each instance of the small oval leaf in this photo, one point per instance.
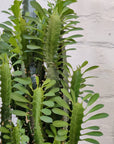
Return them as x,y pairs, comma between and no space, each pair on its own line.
4,130
18,113
94,133
87,96
91,68
84,64
98,116
93,128
97,107
24,81
61,102
93,141
61,138
66,93
50,84
48,103
33,47
93,99
62,132
46,111
60,123
18,97
59,112
46,119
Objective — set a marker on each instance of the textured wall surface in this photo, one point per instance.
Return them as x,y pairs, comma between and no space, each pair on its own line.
97,46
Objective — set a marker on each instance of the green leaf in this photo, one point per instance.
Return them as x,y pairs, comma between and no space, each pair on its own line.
74,36
37,80
18,97
91,68
23,105
38,8
33,47
46,82
32,19
61,138
17,62
97,107
50,134
46,119
8,126
62,132
21,88
93,99
52,92
8,23
48,103
88,91
59,112
61,102
66,12
17,73
60,123
6,12
19,113
84,64
24,81
53,129
93,128
87,96
16,8
30,37
98,116
94,133
4,130
46,111
5,27
4,47
24,139
50,84
6,137
66,93
91,140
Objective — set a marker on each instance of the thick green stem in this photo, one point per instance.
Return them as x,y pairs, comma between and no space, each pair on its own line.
52,44
37,105
5,93
76,121
52,72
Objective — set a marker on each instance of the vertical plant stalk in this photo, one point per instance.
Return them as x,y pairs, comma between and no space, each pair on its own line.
52,44
36,110
5,93
76,121
15,137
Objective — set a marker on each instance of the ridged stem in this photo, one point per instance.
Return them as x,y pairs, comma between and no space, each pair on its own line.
5,94
52,44
76,121
37,105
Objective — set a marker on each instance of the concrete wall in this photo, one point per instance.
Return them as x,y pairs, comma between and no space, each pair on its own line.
97,46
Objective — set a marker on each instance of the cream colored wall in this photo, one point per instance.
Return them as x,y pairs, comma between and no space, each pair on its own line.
97,46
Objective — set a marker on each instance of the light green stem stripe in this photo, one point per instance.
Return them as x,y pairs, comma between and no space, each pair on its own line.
76,121
37,105
5,93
